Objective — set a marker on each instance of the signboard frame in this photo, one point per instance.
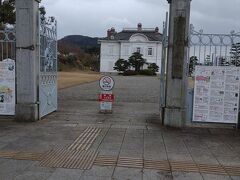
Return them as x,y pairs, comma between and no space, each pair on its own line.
216,94
7,87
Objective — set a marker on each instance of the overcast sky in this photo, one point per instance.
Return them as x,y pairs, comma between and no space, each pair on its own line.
94,17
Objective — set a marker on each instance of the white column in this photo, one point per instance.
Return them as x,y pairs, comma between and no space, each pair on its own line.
27,59
175,112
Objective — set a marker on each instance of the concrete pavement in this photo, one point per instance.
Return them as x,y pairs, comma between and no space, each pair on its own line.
131,144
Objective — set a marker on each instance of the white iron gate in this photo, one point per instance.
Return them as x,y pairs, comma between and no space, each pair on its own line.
163,63
214,49
48,67
7,70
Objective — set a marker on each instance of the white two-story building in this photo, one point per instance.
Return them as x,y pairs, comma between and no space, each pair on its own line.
147,41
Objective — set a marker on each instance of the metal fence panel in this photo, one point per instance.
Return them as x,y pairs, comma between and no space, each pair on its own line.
7,44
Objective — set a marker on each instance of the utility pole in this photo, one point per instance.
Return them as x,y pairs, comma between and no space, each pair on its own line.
175,112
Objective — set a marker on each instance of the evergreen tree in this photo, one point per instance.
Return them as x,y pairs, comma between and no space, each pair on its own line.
235,54
136,61
153,67
121,65
192,63
207,61
7,12
222,62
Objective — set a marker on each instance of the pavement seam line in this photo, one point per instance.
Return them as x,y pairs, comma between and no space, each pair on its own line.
217,159
119,153
167,155
192,158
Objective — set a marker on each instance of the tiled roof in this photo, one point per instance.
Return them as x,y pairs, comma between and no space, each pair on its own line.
126,34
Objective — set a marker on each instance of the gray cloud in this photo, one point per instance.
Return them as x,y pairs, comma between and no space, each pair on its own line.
216,16
94,17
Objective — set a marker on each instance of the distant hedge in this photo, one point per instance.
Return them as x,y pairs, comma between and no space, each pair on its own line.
130,73
145,72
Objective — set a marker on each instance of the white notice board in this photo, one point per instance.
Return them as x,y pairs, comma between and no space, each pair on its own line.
216,94
7,87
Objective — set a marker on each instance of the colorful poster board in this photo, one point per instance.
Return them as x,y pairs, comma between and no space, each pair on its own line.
216,94
7,87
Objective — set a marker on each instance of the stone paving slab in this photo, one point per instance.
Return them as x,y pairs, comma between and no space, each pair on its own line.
187,176
66,174
156,175
215,177
122,173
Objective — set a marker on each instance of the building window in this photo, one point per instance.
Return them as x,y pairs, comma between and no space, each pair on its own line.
150,51
138,50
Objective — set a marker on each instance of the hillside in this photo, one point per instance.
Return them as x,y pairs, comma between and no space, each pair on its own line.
77,52
79,41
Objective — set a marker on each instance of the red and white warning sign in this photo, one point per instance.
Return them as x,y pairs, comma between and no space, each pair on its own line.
106,97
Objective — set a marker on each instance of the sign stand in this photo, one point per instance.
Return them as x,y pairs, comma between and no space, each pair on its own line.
106,97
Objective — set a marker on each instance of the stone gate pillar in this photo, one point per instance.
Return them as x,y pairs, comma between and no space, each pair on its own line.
27,59
176,84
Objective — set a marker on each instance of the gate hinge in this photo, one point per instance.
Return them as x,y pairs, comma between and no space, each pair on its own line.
31,47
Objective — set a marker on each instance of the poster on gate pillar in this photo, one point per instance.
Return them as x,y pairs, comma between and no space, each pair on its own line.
7,87
216,94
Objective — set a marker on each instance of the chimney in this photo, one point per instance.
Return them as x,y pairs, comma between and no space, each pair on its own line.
113,30
108,33
139,26
156,30
111,33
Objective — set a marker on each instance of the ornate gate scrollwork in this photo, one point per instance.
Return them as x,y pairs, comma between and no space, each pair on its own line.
213,49
48,66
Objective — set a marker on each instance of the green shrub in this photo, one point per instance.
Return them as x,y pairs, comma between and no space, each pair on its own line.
130,73
153,67
147,72
121,65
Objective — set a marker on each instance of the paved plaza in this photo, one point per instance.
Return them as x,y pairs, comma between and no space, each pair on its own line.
78,143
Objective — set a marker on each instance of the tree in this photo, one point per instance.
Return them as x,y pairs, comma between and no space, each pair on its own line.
235,54
93,50
121,65
222,62
153,67
193,62
42,13
136,61
7,12
207,61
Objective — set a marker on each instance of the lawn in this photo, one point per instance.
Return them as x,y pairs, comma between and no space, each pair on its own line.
69,79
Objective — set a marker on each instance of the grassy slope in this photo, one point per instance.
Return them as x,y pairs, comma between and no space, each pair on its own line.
69,79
